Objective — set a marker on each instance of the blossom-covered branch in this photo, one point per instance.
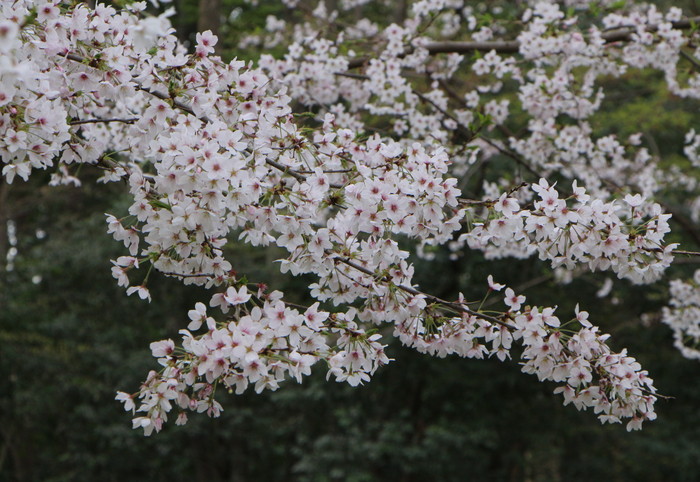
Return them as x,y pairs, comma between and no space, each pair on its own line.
211,151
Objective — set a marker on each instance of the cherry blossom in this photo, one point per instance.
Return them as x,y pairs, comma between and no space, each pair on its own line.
211,151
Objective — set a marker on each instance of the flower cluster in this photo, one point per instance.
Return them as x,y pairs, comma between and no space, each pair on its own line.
573,353
258,347
683,315
211,150
627,238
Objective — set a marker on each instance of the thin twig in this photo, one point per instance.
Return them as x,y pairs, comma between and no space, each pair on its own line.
512,155
431,298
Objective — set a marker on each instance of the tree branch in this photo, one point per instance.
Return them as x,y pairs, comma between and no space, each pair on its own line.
130,120
459,308
619,34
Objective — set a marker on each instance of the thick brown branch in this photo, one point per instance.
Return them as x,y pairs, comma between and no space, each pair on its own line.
619,34
501,46
625,33
102,121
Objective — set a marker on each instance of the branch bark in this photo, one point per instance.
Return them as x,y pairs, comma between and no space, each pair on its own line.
620,34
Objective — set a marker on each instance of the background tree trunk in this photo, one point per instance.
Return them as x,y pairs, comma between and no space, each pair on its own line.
400,11
209,16
4,216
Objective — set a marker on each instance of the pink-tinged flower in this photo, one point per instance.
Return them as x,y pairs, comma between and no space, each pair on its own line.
198,316
15,140
8,33
205,43
229,298
548,317
162,348
234,297
143,422
127,400
634,201
142,291
582,317
127,262
46,11
513,301
219,299
181,419
120,275
493,285
313,318
635,424
21,169
506,205
579,193
579,375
